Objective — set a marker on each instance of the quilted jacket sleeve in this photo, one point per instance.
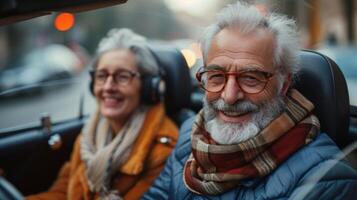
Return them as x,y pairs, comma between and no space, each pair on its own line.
331,179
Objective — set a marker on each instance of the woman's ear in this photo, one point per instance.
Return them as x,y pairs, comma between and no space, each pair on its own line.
286,84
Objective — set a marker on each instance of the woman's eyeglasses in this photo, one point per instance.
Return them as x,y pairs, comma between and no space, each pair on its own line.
122,77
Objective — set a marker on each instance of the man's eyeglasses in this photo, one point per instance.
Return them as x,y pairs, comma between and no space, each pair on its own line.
250,81
122,77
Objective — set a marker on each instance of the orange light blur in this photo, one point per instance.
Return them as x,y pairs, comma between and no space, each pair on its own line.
64,21
190,57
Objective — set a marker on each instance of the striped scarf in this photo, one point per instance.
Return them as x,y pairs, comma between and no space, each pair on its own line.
103,153
213,169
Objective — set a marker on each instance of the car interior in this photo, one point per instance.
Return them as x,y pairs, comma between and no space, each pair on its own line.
322,82
178,84
30,158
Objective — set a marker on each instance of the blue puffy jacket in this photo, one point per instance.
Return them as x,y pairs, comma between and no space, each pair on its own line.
311,173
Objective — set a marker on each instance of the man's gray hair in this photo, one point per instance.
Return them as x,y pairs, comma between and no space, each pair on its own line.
246,18
126,39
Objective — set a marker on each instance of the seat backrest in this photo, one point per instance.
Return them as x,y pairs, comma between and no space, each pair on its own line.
323,83
176,75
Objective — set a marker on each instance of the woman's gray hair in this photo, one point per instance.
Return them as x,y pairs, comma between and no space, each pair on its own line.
126,39
246,18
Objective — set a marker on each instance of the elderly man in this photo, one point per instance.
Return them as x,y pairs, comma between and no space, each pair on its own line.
255,137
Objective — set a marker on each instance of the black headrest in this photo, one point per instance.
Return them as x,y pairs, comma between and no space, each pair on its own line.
177,78
322,82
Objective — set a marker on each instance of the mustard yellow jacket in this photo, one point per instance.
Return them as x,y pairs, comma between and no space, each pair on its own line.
151,149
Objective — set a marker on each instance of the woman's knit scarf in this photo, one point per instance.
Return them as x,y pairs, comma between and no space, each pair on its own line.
103,154
213,169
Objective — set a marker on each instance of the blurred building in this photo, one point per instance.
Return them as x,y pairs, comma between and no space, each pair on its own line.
323,21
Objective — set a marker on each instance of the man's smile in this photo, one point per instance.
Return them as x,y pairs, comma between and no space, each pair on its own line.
234,117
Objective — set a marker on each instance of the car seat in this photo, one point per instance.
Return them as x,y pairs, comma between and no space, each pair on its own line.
323,83
176,75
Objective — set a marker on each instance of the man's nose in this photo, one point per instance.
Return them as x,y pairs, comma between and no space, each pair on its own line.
232,92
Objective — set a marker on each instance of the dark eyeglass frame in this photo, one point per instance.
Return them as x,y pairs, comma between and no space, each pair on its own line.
203,69
114,76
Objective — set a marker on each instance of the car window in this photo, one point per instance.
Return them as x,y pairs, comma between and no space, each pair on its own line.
42,72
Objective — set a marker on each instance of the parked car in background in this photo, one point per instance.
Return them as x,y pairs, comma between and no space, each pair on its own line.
39,67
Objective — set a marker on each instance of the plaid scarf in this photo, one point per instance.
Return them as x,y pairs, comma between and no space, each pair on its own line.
213,169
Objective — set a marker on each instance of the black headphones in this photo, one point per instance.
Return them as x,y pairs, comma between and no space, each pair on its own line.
152,87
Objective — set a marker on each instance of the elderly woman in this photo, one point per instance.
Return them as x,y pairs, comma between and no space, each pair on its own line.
123,147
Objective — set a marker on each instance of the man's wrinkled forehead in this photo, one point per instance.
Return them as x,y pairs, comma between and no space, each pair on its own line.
232,44
233,37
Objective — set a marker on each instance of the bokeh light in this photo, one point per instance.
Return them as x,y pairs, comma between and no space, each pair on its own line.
64,21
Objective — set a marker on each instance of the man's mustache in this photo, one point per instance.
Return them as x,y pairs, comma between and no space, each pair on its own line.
241,106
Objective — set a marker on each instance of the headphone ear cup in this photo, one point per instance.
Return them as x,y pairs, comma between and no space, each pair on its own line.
91,87
91,83
153,89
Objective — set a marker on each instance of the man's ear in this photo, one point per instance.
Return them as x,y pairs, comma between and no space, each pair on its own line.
286,84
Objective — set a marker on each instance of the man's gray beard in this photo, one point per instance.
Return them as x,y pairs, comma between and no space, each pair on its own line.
234,133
